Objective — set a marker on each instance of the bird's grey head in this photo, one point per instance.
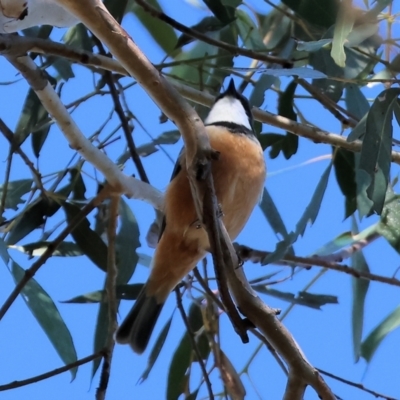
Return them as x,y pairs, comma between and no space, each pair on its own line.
231,106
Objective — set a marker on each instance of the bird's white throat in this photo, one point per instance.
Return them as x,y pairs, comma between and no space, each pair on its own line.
228,109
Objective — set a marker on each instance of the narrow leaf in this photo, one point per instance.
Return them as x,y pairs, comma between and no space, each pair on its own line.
48,316
374,339
87,239
15,190
359,292
156,350
375,158
272,215
389,224
344,25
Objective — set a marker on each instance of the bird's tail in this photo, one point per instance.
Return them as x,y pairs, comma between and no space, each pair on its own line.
138,325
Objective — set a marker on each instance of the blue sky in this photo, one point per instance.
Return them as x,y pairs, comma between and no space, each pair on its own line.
324,336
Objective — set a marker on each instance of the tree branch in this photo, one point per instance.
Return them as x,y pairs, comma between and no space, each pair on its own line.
57,371
29,273
121,183
17,45
204,38
256,256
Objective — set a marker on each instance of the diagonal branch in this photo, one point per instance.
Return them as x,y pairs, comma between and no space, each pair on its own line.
14,45
204,38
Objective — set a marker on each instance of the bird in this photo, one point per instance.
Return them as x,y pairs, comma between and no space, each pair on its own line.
239,176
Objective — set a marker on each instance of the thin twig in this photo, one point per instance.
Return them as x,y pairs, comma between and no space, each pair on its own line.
29,273
193,342
204,38
15,44
246,253
221,259
6,131
50,374
109,78
356,385
111,283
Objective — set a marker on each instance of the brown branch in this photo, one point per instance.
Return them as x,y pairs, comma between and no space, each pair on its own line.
15,45
57,371
6,131
356,385
111,282
334,108
222,258
109,78
204,38
193,343
29,273
256,256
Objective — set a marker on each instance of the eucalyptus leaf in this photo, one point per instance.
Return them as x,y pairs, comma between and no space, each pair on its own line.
15,190
87,239
359,293
344,25
156,350
48,316
374,339
376,150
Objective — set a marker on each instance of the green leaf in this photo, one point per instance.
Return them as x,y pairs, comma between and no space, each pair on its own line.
34,216
321,60
356,102
183,356
36,249
224,10
48,316
161,32
314,301
285,108
156,350
301,72
359,130
87,239
169,137
364,204
312,210
177,369
257,96
315,12
389,224
101,333
127,242
77,36
223,63
375,158
206,25
379,6
15,190
123,292
249,32
334,245
359,292
195,73
33,115
374,339
231,378
344,165
4,252
272,215
309,216
344,25
116,8
275,29
313,45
